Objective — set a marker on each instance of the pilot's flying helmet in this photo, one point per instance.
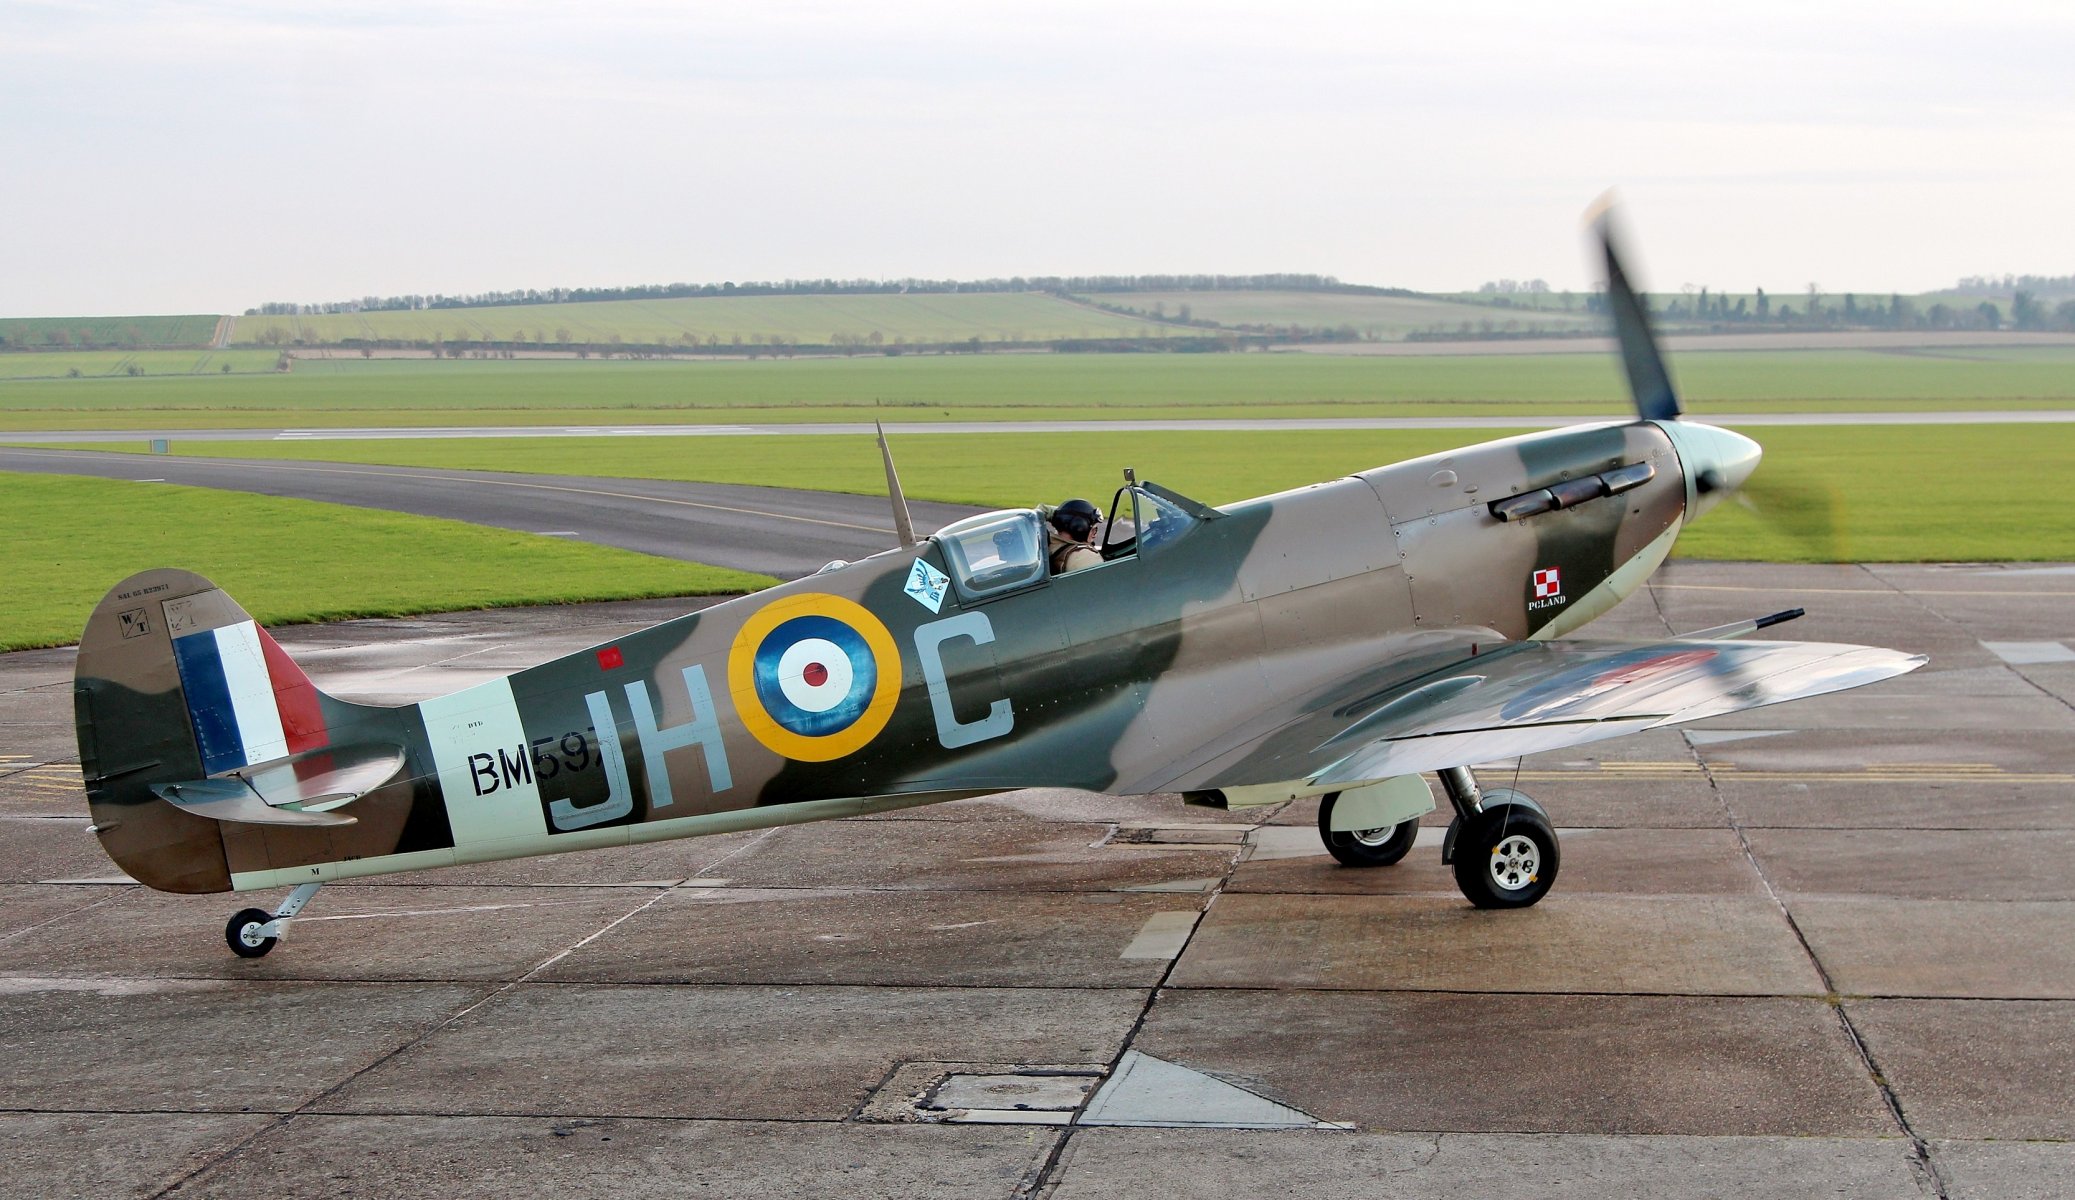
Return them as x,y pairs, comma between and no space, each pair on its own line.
1076,519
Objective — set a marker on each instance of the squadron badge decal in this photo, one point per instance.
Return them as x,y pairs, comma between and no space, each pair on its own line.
814,676
1548,589
926,584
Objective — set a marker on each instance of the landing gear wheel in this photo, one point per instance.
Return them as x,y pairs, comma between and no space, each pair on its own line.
1506,857
1379,847
244,936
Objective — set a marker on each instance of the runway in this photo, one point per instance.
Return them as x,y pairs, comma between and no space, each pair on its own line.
784,532
866,429
1821,948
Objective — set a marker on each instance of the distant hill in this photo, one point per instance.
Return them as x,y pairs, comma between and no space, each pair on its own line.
1349,315
722,324
1055,284
192,331
1116,313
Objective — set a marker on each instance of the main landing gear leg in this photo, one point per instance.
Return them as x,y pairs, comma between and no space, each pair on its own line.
1467,800
254,931
1501,844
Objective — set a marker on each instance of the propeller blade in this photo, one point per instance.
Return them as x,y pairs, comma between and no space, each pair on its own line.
1808,514
1649,382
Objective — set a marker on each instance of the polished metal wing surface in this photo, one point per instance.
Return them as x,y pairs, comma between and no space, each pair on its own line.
1527,697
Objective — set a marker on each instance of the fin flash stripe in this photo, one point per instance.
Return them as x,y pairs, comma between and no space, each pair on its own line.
230,697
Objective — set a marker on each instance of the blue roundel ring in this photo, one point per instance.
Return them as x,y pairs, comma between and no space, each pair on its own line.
805,692
814,676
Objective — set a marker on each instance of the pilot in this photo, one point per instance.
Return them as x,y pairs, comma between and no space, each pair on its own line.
1073,536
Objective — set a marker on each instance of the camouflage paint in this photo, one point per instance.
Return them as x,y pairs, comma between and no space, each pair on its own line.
1232,656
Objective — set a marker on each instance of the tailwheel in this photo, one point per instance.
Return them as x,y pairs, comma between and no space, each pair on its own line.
1506,856
245,935
1379,847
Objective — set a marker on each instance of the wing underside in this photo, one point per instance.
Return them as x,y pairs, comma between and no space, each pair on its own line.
1528,697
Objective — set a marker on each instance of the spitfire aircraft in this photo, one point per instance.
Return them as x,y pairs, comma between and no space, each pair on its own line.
1343,640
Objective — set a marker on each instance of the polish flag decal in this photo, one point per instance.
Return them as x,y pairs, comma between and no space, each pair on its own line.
1548,583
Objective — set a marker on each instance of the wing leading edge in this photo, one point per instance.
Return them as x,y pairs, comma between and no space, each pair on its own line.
1528,697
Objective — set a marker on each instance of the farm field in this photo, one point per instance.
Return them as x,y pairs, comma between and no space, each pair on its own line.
39,332
723,320
72,539
353,392
1388,318
1826,493
116,364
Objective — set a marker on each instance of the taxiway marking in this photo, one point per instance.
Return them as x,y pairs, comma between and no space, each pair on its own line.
1865,591
1163,935
53,778
2026,654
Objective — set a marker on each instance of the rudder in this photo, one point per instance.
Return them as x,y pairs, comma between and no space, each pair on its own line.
176,682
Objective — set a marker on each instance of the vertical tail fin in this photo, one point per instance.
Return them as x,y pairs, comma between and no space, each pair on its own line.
176,683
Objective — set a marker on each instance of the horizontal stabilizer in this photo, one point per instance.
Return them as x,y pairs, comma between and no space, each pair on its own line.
325,778
232,799
293,791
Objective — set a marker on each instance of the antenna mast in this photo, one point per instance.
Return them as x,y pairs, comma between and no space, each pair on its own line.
902,526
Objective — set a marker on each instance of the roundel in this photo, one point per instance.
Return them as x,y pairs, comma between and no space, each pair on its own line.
814,676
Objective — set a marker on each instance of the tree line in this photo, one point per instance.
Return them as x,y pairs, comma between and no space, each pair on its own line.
2004,285
1849,311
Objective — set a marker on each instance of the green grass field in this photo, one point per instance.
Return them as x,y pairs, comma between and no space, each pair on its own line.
1387,318
117,364
1901,494
1827,493
723,320
350,391
295,560
131,332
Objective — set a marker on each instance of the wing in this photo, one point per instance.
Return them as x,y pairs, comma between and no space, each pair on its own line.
1527,697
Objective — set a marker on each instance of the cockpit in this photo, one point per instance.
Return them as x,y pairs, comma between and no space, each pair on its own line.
996,553
1146,516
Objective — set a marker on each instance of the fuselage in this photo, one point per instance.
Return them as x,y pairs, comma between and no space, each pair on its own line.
941,672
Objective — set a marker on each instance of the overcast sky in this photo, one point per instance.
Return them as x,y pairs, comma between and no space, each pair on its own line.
206,157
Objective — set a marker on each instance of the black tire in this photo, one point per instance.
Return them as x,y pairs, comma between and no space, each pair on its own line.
242,926
1364,847
1506,857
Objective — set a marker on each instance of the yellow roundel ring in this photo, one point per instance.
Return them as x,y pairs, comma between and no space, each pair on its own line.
814,676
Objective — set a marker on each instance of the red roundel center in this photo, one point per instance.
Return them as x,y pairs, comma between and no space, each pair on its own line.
815,674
